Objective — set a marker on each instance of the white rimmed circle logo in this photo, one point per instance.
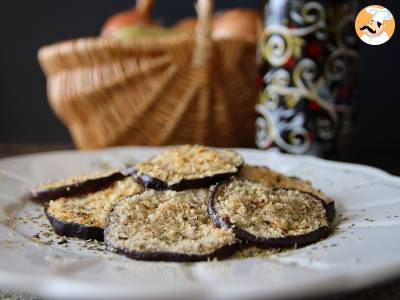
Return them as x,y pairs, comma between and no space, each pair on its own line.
375,25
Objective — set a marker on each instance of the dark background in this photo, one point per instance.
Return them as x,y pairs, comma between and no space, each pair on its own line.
25,116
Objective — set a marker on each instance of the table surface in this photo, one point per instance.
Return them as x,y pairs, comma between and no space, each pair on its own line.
384,291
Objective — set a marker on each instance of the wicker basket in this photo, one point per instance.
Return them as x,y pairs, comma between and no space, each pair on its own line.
154,90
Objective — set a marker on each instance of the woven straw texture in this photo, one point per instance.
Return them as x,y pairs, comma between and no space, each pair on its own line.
169,89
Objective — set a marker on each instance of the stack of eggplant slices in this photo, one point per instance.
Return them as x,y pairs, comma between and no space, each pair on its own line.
188,203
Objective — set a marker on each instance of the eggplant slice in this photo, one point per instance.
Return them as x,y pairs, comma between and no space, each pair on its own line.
277,180
78,185
188,167
266,217
84,216
167,226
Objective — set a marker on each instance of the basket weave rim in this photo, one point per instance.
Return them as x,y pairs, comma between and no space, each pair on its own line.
134,42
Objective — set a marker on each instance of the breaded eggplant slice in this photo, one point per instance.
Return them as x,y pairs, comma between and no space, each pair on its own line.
277,180
268,218
78,185
84,216
188,167
167,226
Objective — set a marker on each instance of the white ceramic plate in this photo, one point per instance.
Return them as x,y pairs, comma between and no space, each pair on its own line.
364,249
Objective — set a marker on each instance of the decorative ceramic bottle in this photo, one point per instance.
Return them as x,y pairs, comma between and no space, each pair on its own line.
308,62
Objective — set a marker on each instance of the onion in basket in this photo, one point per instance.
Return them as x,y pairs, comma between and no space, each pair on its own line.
186,24
140,14
237,23
135,31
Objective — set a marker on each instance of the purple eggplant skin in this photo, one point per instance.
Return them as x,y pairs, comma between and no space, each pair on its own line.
70,229
223,252
248,238
330,211
185,184
80,188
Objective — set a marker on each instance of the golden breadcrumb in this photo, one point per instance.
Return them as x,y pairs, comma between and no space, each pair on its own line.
91,209
166,221
190,162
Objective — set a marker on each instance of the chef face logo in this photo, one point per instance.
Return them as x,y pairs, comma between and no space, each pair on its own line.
375,25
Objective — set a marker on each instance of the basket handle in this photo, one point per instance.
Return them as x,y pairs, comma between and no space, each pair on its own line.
202,47
144,6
